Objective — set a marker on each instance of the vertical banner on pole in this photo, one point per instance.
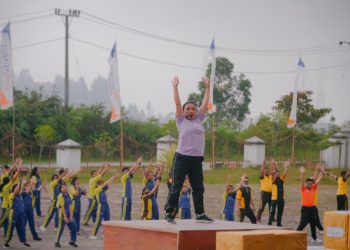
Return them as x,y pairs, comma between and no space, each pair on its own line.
6,75
211,106
292,120
113,85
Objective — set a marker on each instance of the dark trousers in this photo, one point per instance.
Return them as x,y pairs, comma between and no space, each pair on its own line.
77,214
342,202
16,220
249,213
192,167
308,216
37,202
29,217
317,219
71,226
279,205
265,199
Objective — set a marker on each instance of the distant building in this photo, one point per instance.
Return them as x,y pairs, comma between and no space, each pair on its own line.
338,155
254,151
164,144
68,155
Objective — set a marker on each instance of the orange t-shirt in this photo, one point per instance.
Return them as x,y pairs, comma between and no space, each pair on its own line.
308,196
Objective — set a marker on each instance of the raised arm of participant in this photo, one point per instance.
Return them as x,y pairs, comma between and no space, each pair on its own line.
263,166
319,178
105,169
109,181
177,100
161,169
17,173
240,184
273,166
346,175
286,167
205,101
302,176
317,169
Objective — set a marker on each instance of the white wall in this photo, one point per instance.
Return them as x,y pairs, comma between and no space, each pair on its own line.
254,154
68,158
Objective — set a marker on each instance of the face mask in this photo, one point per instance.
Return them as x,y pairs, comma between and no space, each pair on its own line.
245,185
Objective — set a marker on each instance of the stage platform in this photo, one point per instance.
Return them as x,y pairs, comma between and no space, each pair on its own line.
185,234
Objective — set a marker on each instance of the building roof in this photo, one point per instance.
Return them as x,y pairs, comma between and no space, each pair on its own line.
69,143
254,140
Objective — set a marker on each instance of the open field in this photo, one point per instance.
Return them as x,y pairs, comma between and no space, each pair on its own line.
213,205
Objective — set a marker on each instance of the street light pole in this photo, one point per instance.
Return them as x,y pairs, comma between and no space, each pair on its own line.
66,14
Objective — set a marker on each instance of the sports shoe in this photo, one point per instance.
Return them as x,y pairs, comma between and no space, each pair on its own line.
25,244
57,244
6,245
202,218
73,244
316,241
169,219
92,237
38,239
42,228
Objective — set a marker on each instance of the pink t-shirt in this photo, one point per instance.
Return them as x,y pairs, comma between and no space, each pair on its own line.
191,135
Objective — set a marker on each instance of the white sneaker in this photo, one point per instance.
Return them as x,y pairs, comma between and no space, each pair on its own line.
91,237
316,241
42,228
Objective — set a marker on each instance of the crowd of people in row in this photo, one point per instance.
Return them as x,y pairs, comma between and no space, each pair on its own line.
20,199
273,194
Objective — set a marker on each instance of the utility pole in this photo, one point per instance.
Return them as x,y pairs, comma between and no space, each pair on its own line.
66,14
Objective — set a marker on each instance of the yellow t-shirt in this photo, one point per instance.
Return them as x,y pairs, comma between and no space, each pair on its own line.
92,185
98,190
275,191
342,186
52,186
1,178
266,183
73,191
240,198
11,198
5,194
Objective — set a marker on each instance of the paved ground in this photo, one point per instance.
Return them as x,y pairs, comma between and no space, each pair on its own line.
213,204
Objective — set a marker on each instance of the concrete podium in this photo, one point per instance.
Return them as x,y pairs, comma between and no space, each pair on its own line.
185,234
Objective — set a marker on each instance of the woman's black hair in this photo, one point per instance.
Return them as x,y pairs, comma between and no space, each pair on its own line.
184,105
74,179
53,176
34,172
61,185
6,166
4,182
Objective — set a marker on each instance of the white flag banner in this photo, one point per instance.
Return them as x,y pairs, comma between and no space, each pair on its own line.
292,120
113,85
211,105
6,77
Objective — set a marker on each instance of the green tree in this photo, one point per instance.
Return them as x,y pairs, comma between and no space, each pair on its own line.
231,93
307,114
44,134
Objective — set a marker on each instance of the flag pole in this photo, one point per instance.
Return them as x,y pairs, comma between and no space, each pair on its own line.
121,156
212,142
293,148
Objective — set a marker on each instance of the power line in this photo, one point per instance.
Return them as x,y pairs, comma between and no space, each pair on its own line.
37,43
139,57
29,19
26,14
201,68
316,50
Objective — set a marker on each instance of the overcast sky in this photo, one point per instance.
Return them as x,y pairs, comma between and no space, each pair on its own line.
265,36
